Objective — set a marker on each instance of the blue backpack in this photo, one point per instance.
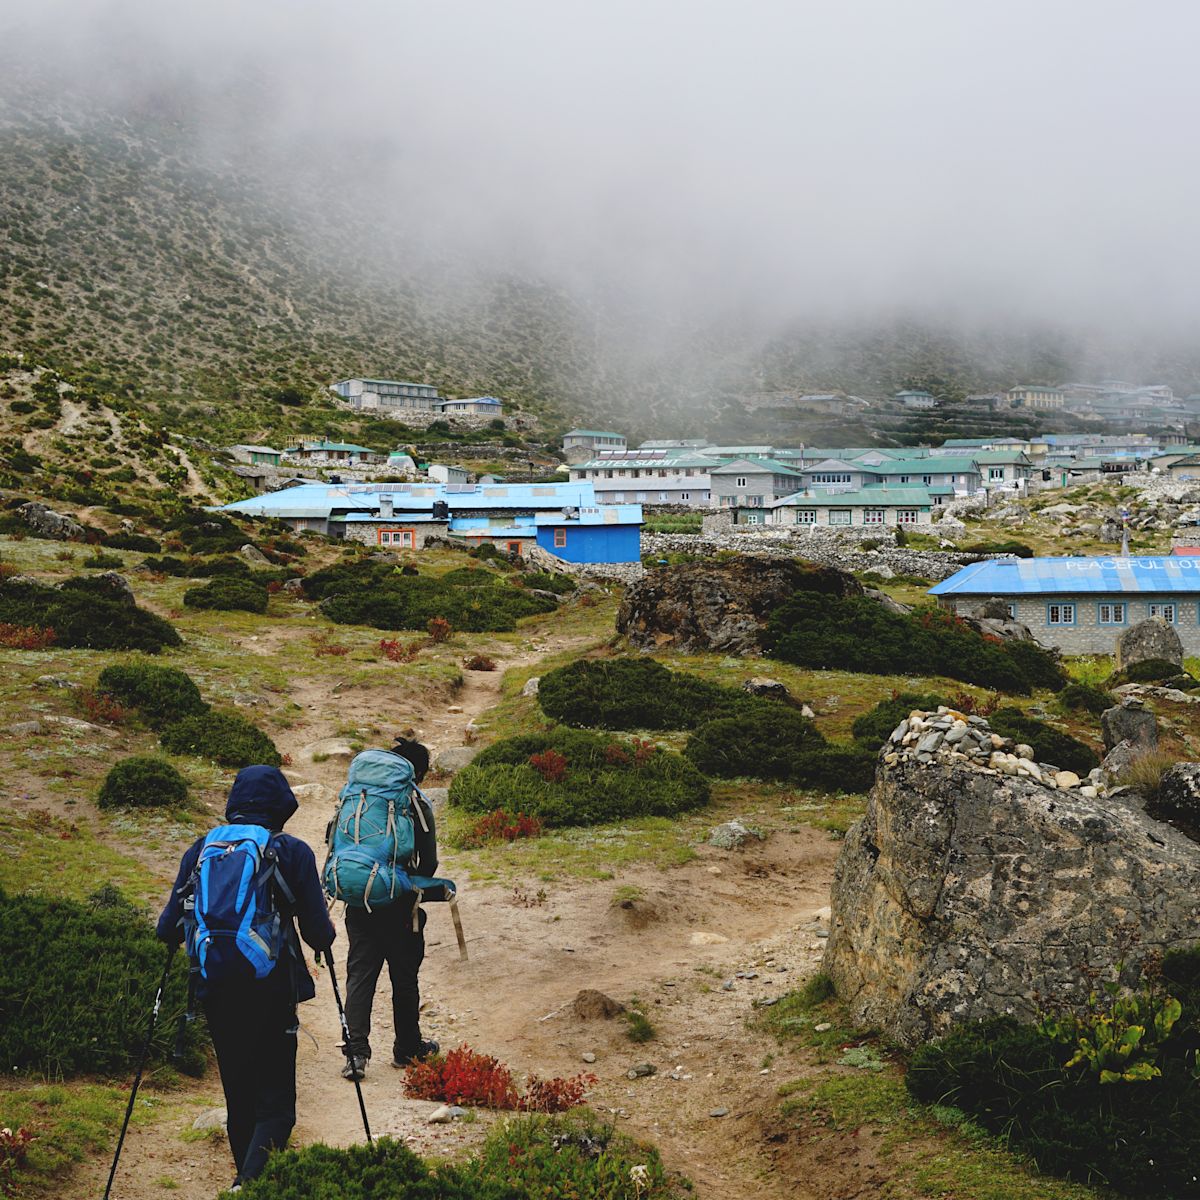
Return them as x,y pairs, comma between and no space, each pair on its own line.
381,841
232,925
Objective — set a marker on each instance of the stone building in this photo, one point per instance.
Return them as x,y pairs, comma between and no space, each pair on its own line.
1081,605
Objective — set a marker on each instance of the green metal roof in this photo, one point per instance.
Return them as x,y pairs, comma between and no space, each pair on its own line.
608,433
767,464
947,464
870,496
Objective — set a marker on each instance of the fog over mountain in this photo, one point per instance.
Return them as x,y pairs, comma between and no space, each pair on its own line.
702,176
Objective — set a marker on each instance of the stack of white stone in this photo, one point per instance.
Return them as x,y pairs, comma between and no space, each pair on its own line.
947,733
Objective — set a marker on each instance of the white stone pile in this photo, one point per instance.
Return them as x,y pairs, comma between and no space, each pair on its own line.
949,734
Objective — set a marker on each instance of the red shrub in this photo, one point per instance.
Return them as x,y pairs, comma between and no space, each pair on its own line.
643,752
615,756
14,1146
8,570
100,707
965,703
396,651
462,1076
550,765
25,637
499,826
324,648
479,662
439,629
274,587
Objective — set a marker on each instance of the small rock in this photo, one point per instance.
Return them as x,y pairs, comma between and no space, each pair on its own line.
24,728
732,835
254,556
588,1057
719,1112
824,1027
56,681
702,937
454,758
1066,779
445,1114
531,686
641,1071
1025,752
212,1118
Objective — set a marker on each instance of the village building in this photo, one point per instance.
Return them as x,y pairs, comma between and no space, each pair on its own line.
580,445
388,394
1036,396
255,455
915,398
648,477
346,453
875,505
752,482
1080,605
473,406
561,518
450,474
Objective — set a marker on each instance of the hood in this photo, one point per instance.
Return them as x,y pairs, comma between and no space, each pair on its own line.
260,796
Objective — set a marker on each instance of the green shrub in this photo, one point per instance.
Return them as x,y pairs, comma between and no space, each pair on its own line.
223,737
875,727
213,568
583,779
143,781
131,541
102,562
161,695
1050,745
548,581
230,594
166,566
207,532
1142,1138
364,592
85,613
639,693
76,985
785,746
1040,666
859,634
520,1159
1150,670
1085,697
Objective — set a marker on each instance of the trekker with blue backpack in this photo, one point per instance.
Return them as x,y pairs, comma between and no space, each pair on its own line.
381,863
239,892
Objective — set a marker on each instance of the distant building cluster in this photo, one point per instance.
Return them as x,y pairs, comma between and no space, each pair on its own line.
393,397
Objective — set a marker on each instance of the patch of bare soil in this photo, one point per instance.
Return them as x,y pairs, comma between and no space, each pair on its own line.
699,948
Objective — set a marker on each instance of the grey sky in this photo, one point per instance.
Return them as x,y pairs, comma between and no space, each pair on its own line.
777,157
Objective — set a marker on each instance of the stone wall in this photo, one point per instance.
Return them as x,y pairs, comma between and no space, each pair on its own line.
828,549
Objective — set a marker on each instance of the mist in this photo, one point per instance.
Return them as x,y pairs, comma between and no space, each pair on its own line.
765,162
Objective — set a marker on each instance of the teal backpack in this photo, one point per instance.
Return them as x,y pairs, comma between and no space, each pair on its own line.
382,843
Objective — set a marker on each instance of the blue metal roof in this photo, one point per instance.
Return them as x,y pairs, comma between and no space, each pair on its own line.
1069,576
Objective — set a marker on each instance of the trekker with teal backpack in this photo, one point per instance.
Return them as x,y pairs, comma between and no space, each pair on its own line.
381,863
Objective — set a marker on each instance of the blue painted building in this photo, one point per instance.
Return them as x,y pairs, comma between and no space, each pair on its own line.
562,518
1081,605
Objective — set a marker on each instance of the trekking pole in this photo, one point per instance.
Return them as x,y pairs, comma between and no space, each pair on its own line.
337,995
137,1079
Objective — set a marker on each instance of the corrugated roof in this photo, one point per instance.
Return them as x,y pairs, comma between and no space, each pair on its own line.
1069,576
939,464
883,497
608,433
767,464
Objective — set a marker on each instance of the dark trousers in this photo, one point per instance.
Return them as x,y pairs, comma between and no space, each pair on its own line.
384,935
253,1030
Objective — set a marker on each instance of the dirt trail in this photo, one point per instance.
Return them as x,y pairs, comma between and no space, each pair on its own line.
674,946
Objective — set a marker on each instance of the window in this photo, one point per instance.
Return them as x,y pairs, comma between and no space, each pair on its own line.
873,516
1111,614
1060,614
397,537
806,516
560,538
906,516
662,495
685,495
1012,611
515,547
826,477
1165,611
641,496
839,516
741,481
754,518
754,500
926,479
903,478
995,472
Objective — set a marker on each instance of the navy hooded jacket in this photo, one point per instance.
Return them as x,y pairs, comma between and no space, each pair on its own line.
262,796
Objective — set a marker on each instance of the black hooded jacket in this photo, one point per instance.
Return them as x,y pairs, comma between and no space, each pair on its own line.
262,796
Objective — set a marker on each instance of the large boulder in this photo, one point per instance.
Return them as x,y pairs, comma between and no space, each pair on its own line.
1149,639
47,523
720,606
967,891
1130,721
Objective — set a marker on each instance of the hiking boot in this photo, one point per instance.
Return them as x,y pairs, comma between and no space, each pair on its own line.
355,1067
427,1048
